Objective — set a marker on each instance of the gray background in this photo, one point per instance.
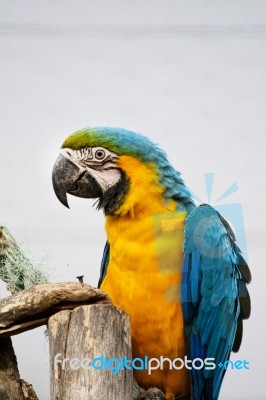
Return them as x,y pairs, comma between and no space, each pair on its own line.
189,74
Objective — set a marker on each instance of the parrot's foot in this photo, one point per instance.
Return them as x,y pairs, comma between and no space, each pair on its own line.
152,394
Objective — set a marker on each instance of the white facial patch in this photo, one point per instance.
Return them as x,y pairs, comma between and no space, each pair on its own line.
98,161
106,178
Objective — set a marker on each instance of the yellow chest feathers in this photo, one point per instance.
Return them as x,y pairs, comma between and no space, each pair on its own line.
145,259
144,272
145,235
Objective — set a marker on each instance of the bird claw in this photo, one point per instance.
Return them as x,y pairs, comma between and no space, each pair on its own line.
152,394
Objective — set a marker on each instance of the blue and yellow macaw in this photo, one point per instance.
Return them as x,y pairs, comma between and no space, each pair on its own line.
173,267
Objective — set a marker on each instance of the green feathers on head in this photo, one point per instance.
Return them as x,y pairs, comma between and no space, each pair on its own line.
124,142
117,140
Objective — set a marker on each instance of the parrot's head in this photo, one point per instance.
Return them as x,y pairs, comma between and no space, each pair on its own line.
119,167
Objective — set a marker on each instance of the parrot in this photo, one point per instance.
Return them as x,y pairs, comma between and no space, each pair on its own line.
175,268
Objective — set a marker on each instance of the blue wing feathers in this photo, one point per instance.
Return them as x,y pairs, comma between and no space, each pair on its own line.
197,375
195,272
214,278
188,308
104,264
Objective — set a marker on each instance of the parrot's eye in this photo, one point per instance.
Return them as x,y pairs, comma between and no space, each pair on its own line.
100,154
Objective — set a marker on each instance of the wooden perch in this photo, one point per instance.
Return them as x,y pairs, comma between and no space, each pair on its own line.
89,332
78,328
32,308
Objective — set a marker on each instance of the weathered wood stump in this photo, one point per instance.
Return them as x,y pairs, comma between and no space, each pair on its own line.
82,325
80,336
11,386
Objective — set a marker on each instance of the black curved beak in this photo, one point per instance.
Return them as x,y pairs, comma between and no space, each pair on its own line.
68,178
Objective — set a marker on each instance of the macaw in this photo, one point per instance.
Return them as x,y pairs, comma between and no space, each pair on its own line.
173,267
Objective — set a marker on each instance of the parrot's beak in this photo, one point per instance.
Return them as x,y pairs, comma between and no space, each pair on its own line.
68,178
